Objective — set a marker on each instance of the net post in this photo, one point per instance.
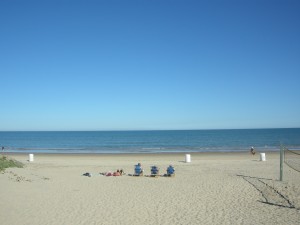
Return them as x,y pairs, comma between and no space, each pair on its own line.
281,162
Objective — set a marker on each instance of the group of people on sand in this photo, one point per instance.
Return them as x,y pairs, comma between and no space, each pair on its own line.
115,174
139,171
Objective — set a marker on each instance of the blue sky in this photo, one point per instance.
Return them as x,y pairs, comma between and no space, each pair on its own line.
135,65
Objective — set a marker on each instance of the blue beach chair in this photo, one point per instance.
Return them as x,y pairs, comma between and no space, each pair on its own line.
154,171
170,171
138,170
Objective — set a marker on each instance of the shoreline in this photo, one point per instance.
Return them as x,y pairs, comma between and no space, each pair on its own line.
143,153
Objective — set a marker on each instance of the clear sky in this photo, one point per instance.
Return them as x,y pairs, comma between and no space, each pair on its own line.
149,64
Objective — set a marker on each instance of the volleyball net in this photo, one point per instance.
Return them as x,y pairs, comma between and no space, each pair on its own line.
292,158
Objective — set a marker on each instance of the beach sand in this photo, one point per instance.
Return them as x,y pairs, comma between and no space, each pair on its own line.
215,188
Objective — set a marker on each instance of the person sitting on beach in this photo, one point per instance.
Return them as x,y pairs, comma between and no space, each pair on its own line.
138,170
154,170
121,172
170,171
117,173
252,151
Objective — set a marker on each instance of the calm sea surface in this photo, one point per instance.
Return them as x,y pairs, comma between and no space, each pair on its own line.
149,141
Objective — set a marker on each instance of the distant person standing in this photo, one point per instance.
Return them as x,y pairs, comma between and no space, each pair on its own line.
252,151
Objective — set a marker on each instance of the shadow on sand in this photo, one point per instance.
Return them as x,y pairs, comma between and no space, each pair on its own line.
269,193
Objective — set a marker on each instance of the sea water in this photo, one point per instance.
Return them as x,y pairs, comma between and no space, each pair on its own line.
234,140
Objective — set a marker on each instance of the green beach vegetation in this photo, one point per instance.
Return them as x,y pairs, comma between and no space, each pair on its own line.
6,162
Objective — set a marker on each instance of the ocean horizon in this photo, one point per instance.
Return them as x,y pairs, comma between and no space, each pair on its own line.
150,141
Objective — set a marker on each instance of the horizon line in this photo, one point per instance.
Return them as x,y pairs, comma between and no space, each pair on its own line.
118,130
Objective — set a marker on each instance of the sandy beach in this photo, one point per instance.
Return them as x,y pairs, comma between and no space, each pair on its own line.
214,188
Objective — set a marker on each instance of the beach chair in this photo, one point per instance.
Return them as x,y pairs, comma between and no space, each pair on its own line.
154,171
138,170
170,171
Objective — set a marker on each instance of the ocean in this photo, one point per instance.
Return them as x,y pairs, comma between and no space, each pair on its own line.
235,140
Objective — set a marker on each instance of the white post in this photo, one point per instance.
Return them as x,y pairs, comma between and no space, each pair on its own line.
262,156
187,158
31,158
